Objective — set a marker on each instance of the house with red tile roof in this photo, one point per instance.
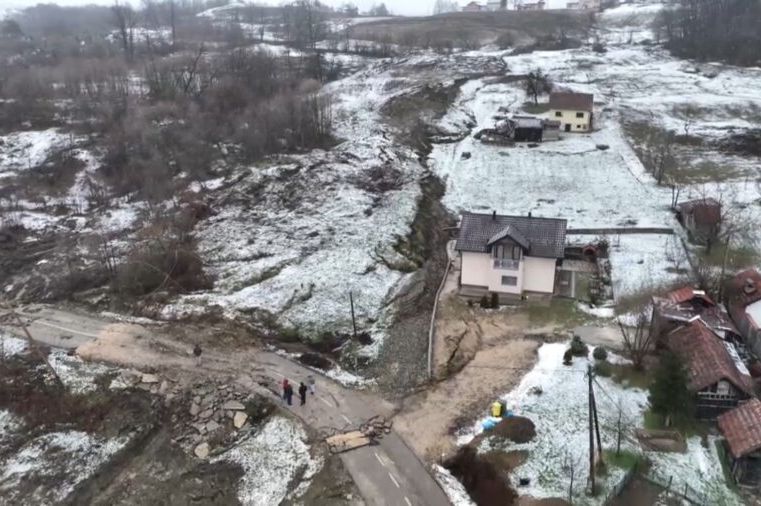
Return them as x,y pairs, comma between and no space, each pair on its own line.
686,304
741,429
744,303
717,376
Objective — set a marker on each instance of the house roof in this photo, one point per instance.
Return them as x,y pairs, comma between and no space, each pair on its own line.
687,304
572,101
527,122
745,288
512,232
705,211
545,237
741,428
707,358
687,294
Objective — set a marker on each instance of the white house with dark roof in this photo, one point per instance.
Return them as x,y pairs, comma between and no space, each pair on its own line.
512,256
574,111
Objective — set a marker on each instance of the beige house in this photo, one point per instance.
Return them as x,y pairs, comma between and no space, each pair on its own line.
575,111
512,256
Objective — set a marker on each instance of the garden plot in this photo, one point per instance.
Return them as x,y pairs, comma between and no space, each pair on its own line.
642,262
554,397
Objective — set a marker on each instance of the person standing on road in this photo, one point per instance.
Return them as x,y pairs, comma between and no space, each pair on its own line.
286,385
310,384
303,393
289,394
197,354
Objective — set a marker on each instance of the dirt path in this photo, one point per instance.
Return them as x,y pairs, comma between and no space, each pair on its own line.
429,419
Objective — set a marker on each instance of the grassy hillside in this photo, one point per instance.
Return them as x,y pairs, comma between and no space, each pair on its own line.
465,29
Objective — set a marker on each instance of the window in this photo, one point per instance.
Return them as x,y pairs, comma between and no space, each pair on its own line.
578,126
558,114
509,281
516,252
579,114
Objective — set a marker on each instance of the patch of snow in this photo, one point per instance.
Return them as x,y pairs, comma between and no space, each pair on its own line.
11,346
560,414
118,219
272,460
739,364
78,376
597,311
57,462
24,150
455,491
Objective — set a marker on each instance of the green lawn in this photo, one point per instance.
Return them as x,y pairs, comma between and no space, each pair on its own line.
688,427
625,459
558,311
532,108
725,466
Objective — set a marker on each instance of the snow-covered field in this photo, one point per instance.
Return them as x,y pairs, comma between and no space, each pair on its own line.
272,461
590,187
560,414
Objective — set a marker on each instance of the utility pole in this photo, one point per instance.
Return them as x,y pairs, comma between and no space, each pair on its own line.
353,319
597,424
591,435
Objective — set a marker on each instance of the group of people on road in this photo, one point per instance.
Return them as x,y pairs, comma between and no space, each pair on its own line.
303,388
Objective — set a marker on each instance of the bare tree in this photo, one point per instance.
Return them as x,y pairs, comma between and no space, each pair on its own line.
637,339
660,157
125,21
537,83
571,467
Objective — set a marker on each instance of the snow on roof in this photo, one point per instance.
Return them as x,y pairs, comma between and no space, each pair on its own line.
741,428
707,359
754,313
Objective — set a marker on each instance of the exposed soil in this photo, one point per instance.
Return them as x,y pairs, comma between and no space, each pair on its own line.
429,420
485,484
159,472
516,429
506,461
332,486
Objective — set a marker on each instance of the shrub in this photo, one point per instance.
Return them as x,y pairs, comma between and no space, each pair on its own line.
494,300
603,369
485,302
568,357
578,348
600,353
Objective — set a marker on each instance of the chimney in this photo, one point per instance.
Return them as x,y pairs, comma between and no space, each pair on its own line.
494,215
529,214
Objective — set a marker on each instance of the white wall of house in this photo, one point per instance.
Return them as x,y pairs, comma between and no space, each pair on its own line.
539,275
533,274
568,117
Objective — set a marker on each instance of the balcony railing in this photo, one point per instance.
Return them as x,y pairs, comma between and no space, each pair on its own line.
507,264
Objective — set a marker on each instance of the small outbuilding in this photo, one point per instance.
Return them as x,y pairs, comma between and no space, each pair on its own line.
551,130
741,429
527,129
701,218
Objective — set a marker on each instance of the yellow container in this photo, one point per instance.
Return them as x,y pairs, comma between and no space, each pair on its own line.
496,409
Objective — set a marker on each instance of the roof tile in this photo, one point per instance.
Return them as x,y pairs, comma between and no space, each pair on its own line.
742,428
545,236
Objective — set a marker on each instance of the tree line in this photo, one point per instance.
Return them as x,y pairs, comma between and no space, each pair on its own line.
726,30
